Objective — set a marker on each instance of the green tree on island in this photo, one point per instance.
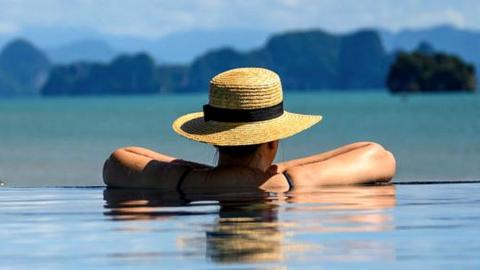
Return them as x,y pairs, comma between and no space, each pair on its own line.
425,70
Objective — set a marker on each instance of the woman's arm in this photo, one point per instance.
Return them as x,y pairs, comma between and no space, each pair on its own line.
143,168
352,164
283,166
140,151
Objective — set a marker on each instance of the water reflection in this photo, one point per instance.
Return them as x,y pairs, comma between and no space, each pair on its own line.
246,231
256,227
344,209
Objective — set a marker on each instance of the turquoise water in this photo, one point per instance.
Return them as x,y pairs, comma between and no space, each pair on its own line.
64,141
369,227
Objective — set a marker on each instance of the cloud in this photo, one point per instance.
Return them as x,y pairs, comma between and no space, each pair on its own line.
8,28
455,17
154,18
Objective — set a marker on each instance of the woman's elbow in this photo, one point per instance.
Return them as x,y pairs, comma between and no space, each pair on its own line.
391,165
112,168
382,161
108,170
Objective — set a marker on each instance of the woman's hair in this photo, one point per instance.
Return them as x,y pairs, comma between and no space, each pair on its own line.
238,151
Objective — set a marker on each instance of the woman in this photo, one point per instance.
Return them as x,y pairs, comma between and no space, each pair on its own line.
245,120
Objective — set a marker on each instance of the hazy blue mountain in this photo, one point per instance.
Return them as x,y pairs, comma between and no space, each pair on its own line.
23,68
183,47
83,50
444,37
425,48
177,47
53,36
461,42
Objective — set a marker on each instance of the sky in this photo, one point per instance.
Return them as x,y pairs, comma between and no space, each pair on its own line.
156,18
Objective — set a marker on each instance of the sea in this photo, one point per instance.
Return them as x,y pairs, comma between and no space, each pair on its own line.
55,212
64,141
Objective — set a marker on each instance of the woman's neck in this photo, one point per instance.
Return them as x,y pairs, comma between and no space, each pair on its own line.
254,162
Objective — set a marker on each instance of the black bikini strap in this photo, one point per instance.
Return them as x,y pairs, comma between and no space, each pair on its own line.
182,179
289,180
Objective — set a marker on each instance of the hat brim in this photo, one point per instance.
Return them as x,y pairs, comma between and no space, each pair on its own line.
194,127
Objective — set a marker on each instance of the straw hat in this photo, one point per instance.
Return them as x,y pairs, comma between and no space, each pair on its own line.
245,107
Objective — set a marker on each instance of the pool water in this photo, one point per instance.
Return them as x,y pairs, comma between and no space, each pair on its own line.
64,141
405,226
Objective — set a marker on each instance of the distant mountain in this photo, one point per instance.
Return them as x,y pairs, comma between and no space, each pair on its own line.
461,42
305,61
177,47
135,74
183,47
23,68
83,50
8,86
53,36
